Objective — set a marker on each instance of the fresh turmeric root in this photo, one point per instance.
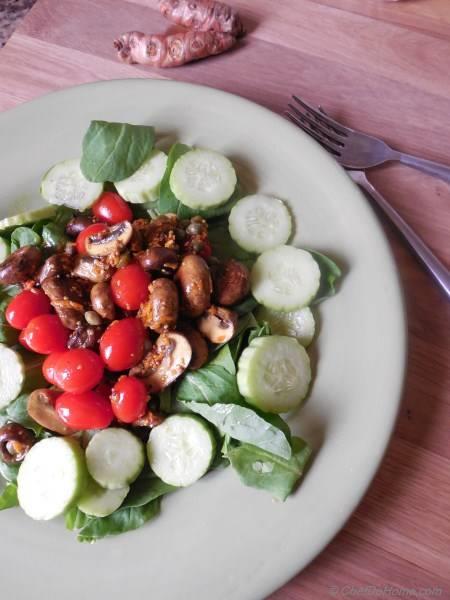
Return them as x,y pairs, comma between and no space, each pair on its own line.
171,50
203,15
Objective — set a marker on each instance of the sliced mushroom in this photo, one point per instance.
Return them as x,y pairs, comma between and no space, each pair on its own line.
161,231
158,258
160,311
68,297
194,279
20,265
218,324
92,269
199,347
58,264
102,300
166,361
41,408
231,283
111,241
15,442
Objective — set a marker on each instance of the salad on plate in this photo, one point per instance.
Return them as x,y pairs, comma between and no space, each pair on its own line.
154,322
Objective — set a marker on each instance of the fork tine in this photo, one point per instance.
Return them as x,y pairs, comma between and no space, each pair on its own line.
312,133
322,117
319,129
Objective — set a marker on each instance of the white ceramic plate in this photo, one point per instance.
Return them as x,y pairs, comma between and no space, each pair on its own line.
218,539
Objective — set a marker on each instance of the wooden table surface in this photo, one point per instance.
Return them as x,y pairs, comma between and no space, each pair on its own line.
380,66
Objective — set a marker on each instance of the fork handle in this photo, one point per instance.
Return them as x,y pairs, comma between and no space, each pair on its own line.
437,269
422,164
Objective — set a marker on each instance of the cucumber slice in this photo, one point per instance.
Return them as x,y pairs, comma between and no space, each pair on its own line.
258,223
299,323
181,449
51,477
65,184
31,216
274,373
5,249
114,458
143,185
99,502
203,179
285,278
12,375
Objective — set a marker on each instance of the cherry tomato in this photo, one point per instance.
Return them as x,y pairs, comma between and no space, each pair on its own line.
25,306
78,370
206,251
83,235
45,334
129,399
48,366
89,410
111,208
129,286
122,344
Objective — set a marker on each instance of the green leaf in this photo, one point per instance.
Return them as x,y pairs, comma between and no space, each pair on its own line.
246,306
63,215
145,489
120,521
244,424
329,274
211,384
53,235
238,342
17,413
114,151
261,331
168,203
261,469
224,359
9,472
165,399
8,498
76,518
24,236
224,247
8,335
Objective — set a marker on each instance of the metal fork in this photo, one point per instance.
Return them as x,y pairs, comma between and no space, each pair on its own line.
347,146
357,150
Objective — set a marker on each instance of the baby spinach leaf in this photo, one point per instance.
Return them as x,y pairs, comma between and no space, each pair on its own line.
8,335
63,214
261,469
53,235
120,521
244,424
17,412
224,359
76,518
329,274
224,247
168,203
210,384
9,472
145,489
260,331
24,236
8,498
246,306
165,400
114,151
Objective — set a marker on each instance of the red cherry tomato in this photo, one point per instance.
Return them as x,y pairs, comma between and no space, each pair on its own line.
111,208
48,366
122,344
83,235
206,251
25,306
78,370
129,286
129,399
45,334
89,410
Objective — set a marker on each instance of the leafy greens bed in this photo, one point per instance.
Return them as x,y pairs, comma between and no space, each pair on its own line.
214,313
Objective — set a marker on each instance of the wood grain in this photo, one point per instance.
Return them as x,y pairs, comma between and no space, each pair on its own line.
382,67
